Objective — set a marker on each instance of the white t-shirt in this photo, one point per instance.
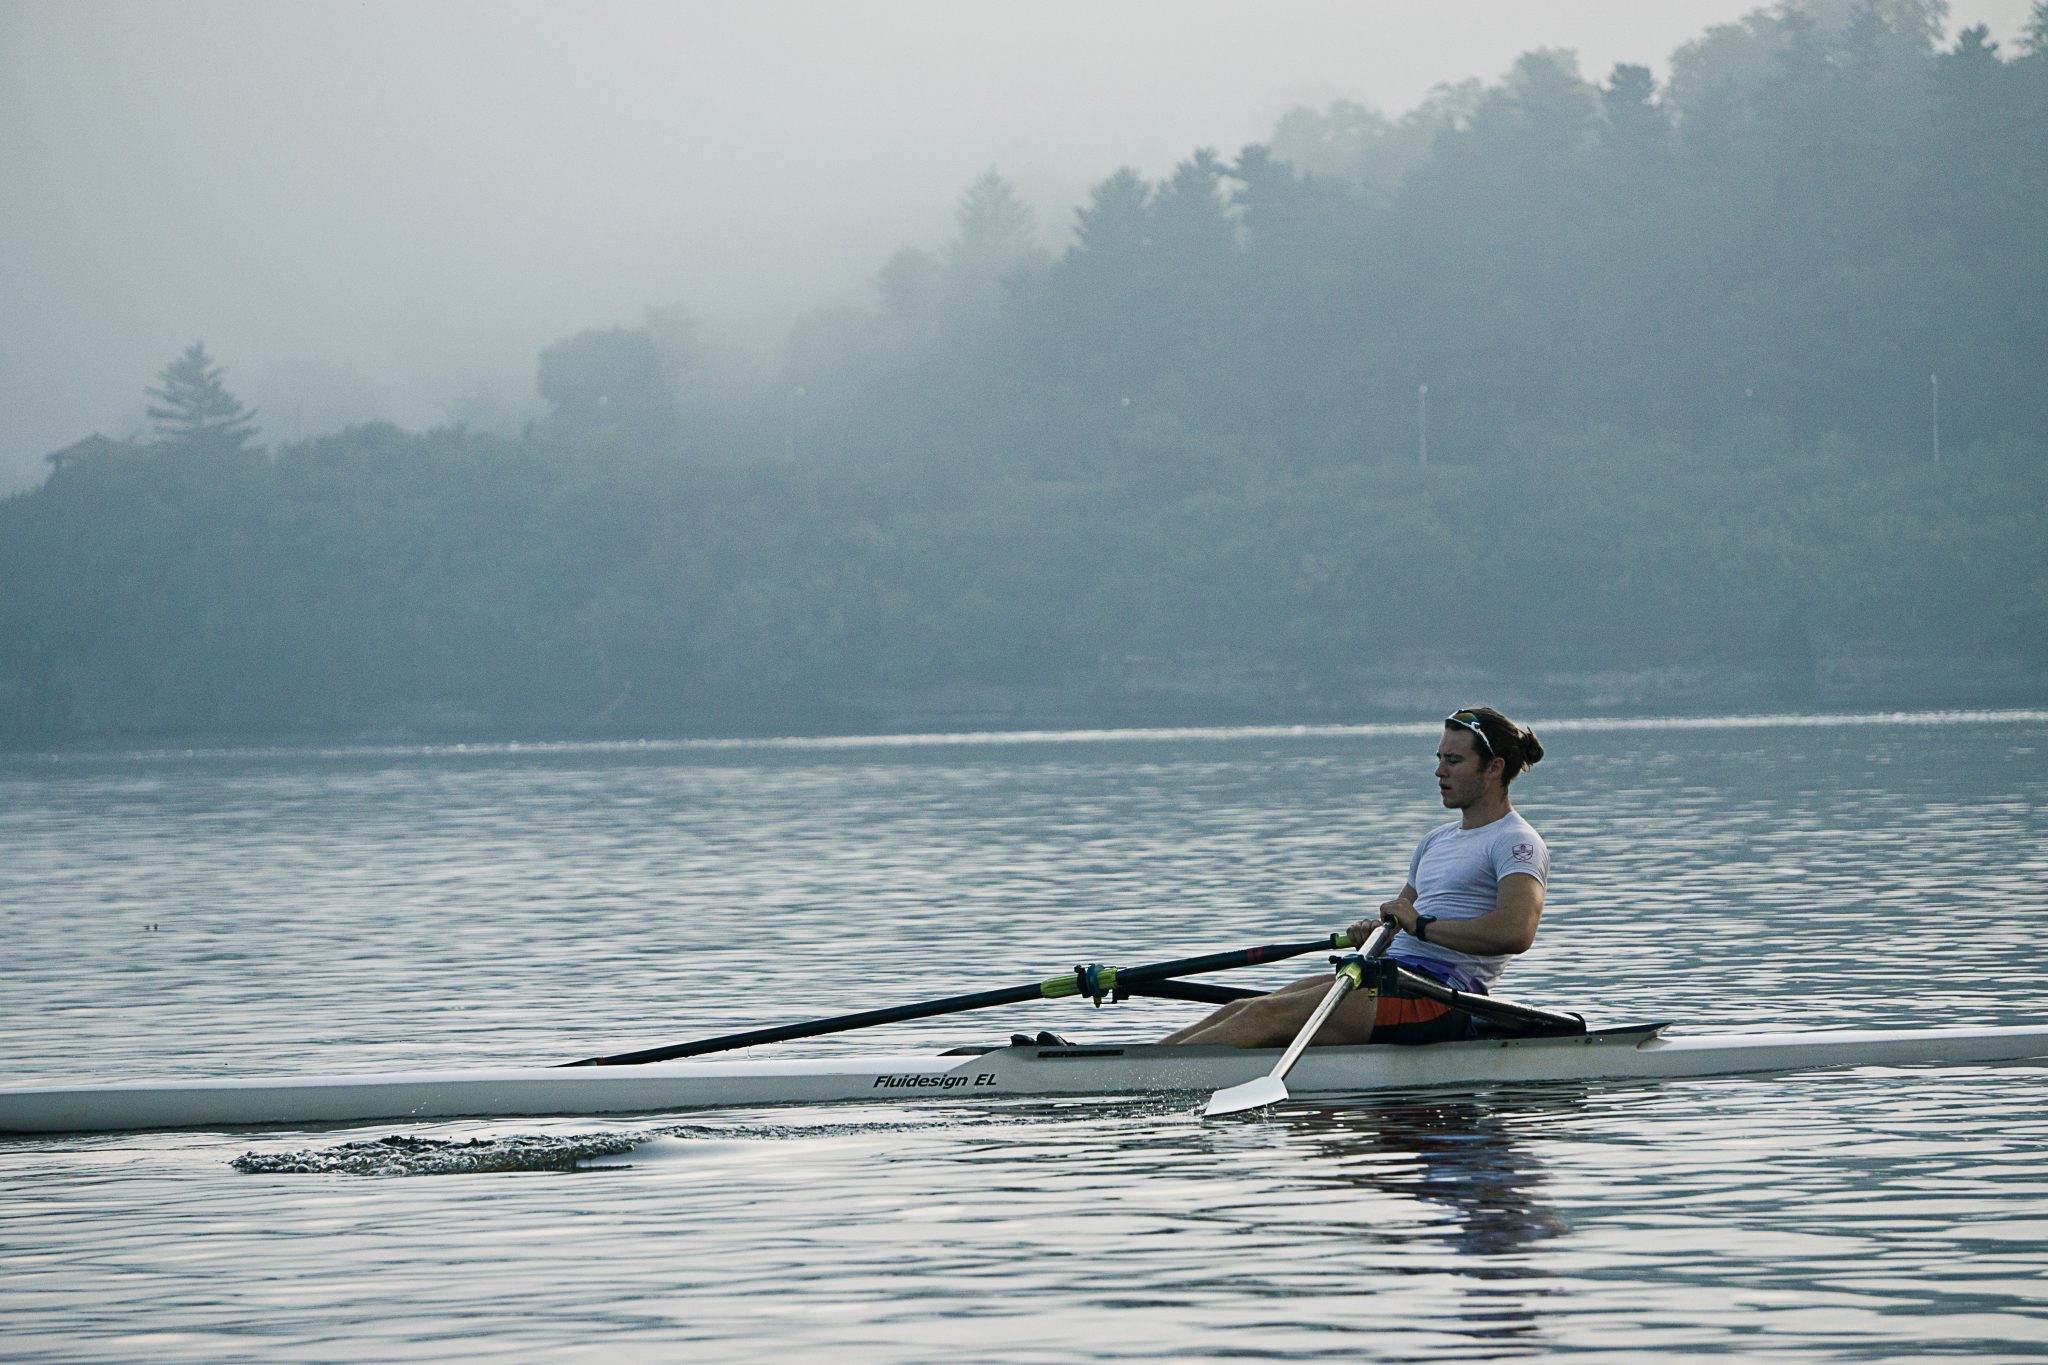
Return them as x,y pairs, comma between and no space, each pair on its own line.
1456,873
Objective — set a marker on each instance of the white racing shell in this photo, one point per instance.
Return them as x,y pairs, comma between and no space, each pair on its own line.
1628,1054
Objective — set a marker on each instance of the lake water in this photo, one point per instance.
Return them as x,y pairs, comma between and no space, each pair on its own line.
194,913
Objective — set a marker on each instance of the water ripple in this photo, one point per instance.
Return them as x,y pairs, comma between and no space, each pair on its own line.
204,913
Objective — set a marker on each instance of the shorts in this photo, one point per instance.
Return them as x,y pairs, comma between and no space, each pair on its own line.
1410,1019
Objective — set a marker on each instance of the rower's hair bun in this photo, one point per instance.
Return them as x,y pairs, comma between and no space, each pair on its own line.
1516,745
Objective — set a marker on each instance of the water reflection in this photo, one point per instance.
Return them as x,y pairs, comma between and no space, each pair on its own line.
1463,1158
1462,1154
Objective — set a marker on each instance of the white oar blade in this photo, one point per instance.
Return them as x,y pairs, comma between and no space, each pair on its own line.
1258,1094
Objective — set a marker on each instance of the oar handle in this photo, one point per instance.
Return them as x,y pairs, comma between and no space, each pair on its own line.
1377,942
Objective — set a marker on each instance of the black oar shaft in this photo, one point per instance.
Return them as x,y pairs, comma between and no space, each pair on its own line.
1223,962
782,1033
1107,980
1201,992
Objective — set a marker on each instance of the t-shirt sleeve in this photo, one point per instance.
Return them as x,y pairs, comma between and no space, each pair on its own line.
1415,861
1521,851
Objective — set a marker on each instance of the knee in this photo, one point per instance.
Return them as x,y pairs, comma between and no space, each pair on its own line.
1272,1016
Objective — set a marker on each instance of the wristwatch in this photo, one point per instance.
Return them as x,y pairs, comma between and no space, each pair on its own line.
1422,923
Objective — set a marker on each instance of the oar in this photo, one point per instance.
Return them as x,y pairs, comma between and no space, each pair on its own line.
1271,1088
1095,982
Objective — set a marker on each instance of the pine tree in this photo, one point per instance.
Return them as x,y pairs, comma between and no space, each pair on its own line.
998,233
194,406
997,245
2034,37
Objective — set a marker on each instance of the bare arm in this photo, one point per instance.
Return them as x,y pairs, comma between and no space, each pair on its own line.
1510,927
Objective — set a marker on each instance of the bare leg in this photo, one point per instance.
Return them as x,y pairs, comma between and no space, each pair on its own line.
1273,1020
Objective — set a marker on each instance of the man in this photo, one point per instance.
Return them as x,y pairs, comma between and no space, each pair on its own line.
1473,899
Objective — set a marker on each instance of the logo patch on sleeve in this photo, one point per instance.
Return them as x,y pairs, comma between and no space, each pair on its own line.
1524,853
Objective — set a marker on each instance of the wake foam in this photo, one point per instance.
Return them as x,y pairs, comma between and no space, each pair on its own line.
400,1155
439,1156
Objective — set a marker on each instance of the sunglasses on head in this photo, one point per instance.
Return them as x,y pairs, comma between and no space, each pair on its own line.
1469,720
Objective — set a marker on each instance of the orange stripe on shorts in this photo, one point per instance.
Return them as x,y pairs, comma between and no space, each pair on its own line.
1401,1009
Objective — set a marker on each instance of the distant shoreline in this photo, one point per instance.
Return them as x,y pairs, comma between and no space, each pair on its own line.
371,746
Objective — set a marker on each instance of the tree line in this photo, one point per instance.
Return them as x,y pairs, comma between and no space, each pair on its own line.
1548,377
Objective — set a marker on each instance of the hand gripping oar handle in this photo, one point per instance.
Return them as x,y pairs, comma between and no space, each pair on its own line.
1094,982
1271,1088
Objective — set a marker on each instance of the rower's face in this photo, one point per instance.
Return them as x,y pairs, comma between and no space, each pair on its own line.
1461,768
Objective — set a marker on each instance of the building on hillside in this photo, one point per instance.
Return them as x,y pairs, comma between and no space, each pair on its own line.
93,448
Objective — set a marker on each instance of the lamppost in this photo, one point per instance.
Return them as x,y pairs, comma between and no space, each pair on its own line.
794,394
1934,383
1422,423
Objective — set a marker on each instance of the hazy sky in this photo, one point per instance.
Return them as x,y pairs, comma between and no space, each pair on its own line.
375,206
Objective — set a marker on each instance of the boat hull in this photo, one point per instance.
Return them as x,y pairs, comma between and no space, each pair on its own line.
1637,1054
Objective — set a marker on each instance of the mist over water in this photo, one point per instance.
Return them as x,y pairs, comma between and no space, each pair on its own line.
387,210
1216,443
695,515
